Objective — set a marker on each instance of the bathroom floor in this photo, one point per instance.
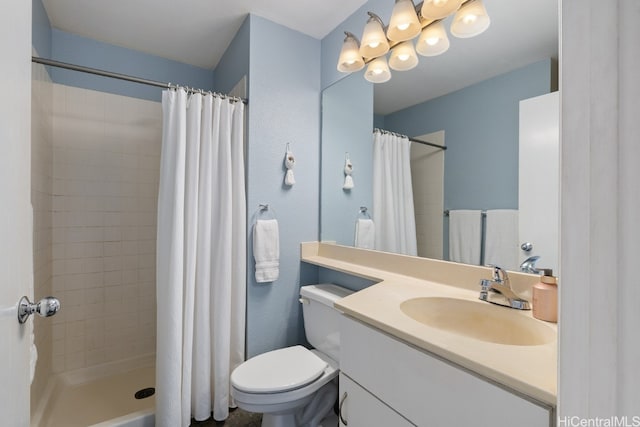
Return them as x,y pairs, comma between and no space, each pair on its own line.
237,418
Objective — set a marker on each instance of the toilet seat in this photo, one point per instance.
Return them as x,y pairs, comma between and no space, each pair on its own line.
254,401
278,371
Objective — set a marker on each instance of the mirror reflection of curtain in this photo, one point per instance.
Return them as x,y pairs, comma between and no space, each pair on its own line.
393,211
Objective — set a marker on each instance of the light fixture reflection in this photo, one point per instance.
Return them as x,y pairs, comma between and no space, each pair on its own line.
350,59
403,57
433,40
439,9
378,71
374,41
472,19
404,23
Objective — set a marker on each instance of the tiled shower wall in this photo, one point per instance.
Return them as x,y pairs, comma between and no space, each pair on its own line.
41,187
106,161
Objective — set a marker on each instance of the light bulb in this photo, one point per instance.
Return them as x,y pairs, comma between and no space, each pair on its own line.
472,19
432,41
403,57
439,9
469,19
404,23
378,70
374,41
350,60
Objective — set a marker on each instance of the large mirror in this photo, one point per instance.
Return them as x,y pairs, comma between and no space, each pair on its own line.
468,100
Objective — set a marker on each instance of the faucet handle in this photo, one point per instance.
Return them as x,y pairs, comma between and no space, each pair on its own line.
499,274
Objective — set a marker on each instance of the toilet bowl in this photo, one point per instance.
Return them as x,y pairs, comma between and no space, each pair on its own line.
295,386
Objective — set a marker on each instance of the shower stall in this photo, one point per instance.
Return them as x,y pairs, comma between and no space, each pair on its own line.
95,173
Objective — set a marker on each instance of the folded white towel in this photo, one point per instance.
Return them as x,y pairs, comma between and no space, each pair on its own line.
365,234
501,240
465,235
266,250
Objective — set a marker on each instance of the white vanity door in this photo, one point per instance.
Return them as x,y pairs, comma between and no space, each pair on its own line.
539,178
359,408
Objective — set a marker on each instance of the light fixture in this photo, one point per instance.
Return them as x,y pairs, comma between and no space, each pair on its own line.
374,41
470,20
350,59
378,70
403,57
433,40
439,9
404,23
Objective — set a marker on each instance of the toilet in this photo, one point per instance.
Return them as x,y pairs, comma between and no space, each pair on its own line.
294,386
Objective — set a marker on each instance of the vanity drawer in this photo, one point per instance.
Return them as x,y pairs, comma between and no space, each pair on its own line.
425,390
359,408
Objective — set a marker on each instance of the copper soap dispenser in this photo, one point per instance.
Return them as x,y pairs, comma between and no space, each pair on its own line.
545,297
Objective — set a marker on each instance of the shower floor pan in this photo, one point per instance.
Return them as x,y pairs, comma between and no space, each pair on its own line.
104,402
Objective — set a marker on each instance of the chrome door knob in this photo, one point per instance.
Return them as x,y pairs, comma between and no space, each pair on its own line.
45,307
526,246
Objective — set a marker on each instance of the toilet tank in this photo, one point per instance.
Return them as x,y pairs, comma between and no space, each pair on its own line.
321,319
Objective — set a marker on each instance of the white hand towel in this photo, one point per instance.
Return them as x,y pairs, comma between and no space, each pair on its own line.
266,250
465,235
365,234
501,238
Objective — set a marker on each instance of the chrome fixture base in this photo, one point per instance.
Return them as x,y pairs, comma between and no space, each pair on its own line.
498,291
499,299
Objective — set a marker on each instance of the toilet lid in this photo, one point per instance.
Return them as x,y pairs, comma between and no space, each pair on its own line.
278,370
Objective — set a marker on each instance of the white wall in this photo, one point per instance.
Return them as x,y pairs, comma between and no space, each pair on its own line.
106,171
427,177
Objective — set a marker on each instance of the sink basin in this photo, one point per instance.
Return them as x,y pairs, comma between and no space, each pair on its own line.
478,320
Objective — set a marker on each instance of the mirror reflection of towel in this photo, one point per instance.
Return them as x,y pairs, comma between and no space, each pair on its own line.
501,239
465,235
365,234
266,250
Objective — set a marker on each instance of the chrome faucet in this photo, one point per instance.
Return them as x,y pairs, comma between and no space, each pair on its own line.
529,265
498,291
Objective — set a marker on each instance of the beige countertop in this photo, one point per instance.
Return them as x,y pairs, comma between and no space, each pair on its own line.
529,370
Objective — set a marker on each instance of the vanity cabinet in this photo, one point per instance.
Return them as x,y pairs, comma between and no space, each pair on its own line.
388,379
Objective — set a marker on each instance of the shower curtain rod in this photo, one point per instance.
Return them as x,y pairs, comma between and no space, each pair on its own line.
103,73
430,144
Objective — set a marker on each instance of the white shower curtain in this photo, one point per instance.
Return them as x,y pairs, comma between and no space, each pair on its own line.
393,211
200,269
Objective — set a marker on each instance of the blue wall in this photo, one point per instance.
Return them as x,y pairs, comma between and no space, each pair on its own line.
91,53
481,134
40,29
346,127
284,107
234,63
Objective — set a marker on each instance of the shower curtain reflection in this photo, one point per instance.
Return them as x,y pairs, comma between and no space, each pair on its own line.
393,210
